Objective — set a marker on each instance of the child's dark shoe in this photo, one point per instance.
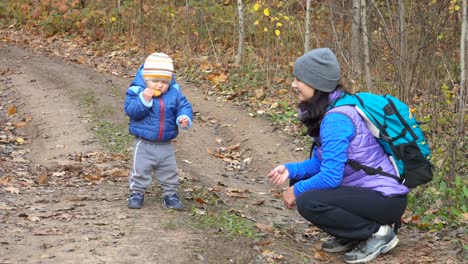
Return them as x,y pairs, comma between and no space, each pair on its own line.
172,202
135,201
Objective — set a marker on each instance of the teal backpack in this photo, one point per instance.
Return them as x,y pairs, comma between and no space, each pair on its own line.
393,124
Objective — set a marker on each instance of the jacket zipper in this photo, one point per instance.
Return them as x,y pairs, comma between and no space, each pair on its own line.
161,118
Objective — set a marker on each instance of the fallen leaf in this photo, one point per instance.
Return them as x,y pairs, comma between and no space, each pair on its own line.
6,207
311,232
265,227
258,202
216,78
278,79
248,160
92,177
236,190
281,91
58,173
465,216
12,110
43,179
200,212
12,189
120,217
20,124
272,255
200,200
81,60
321,255
33,218
4,181
437,220
205,66
430,211
236,195
20,140
259,93
115,173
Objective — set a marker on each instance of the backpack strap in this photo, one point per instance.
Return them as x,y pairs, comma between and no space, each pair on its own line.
371,171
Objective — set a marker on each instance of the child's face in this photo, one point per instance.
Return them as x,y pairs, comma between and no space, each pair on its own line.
162,86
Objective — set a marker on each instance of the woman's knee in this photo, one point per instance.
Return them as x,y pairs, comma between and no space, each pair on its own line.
307,204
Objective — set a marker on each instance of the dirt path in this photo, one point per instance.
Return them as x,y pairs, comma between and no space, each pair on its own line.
98,227
74,220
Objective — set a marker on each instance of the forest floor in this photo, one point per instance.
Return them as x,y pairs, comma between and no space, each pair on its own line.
63,196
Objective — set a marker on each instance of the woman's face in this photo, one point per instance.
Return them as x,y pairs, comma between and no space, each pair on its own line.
304,91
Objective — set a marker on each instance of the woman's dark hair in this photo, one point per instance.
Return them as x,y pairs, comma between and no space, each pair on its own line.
313,110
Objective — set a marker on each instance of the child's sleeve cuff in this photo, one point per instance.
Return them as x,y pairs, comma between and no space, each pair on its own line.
189,120
144,102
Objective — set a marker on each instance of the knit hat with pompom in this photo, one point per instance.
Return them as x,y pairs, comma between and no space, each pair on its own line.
158,67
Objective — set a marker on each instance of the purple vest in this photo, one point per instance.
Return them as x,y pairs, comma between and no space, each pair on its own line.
365,149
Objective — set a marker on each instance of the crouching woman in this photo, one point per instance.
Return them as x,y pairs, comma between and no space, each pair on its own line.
356,209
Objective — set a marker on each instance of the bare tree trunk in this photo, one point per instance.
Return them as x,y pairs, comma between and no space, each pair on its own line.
402,62
118,6
187,49
335,36
355,39
307,28
240,47
209,35
141,33
365,45
463,40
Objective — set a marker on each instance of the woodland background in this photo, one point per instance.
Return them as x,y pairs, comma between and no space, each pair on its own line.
244,51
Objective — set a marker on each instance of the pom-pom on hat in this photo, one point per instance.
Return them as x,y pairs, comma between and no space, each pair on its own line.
158,67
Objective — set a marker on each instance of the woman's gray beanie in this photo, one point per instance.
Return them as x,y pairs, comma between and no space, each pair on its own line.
319,69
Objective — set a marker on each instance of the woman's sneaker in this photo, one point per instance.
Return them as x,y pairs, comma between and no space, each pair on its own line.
338,245
135,201
172,201
380,242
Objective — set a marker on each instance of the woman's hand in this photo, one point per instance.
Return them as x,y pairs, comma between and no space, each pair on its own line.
289,198
278,175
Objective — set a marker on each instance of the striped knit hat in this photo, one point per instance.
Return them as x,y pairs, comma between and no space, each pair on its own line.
158,67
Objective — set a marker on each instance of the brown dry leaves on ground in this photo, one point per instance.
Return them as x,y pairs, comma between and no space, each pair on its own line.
18,175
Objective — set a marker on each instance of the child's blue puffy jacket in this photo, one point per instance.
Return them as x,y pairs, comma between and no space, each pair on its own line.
157,120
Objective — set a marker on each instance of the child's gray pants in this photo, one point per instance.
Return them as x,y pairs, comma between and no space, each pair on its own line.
149,156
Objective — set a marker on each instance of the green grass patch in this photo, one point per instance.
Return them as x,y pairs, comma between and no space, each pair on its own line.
209,212
114,137
228,224
439,205
87,98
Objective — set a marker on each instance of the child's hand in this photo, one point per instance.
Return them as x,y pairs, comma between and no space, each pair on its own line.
184,122
278,175
148,94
